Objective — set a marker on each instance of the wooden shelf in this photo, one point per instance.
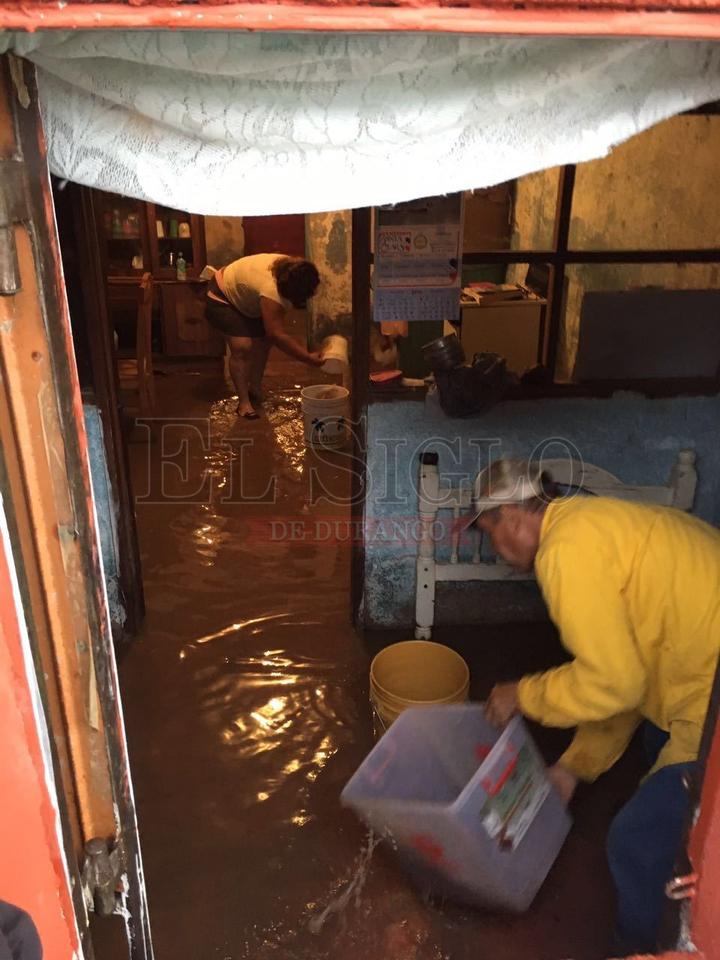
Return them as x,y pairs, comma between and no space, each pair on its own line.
180,302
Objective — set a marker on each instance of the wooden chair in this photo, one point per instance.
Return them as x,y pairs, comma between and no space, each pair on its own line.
137,376
143,352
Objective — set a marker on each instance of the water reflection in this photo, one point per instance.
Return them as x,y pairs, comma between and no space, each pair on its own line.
284,413
240,625
296,707
248,704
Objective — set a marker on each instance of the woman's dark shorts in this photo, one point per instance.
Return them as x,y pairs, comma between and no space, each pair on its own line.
229,321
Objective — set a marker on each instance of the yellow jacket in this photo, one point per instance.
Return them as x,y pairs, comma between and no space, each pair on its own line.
635,592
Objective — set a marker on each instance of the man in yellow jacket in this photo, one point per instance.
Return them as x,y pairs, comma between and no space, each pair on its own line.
634,591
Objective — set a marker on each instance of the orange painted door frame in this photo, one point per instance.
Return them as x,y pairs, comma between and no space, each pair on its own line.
674,18
704,843
46,494
34,874
610,18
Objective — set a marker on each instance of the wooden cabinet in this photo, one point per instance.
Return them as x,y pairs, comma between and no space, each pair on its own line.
173,232
512,328
123,232
186,332
138,237
146,237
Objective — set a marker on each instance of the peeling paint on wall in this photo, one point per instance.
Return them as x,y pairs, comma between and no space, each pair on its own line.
328,246
337,246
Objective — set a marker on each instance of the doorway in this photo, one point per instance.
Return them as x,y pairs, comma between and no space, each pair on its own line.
244,687
246,702
244,726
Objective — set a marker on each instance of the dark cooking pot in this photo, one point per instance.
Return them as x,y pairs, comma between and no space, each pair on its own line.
446,353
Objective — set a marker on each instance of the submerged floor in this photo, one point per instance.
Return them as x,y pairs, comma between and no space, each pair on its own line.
246,705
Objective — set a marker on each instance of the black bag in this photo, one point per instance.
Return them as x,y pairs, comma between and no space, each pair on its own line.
473,389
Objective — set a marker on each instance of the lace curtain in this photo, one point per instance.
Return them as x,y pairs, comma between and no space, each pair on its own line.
238,123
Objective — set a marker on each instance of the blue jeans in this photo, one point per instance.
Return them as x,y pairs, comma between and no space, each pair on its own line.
643,842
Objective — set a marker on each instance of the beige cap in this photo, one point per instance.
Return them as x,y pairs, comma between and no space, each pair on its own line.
505,482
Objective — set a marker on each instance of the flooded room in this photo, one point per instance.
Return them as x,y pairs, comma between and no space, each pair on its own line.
360,388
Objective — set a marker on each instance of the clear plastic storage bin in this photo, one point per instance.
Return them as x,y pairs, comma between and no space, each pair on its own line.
470,808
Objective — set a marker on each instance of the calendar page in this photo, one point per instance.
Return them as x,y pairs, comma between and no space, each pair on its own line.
418,260
429,303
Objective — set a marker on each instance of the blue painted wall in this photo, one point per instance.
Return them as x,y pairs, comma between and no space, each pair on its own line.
633,437
106,507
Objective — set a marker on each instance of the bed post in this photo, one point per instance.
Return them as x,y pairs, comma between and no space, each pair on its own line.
683,480
428,490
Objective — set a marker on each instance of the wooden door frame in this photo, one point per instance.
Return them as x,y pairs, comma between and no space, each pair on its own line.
107,393
43,437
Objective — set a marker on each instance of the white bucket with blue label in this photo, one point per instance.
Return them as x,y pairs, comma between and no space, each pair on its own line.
326,412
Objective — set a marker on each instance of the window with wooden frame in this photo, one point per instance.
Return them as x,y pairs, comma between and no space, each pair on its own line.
625,251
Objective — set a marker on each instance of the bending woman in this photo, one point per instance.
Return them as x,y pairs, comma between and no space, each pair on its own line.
247,302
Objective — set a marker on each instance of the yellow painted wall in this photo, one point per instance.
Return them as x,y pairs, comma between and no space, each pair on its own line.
660,189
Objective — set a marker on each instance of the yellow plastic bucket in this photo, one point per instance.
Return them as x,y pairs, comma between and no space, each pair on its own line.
415,673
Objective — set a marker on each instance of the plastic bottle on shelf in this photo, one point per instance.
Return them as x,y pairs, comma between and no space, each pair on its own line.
181,267
116,223
171,259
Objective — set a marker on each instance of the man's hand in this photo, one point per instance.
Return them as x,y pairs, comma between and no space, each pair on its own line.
315,359
502,704
564,782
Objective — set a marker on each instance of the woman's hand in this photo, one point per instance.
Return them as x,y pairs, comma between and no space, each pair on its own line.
273,316
502,704
565,783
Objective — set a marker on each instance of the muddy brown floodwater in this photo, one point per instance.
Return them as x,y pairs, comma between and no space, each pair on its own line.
246,705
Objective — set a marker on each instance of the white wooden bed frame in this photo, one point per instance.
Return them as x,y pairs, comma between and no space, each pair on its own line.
433,497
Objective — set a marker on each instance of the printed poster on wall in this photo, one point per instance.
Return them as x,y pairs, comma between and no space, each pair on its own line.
418,260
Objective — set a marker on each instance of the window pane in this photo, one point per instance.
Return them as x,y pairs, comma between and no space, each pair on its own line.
657,191
640,321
